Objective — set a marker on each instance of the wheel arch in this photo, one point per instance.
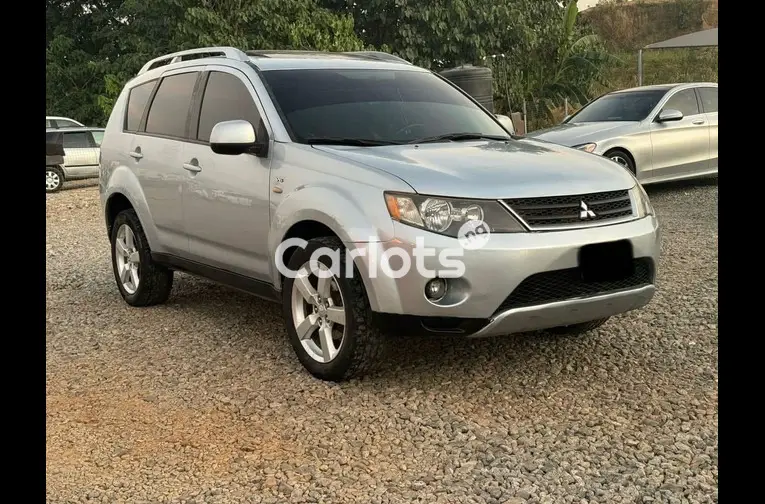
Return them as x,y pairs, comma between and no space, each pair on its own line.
313,227
305,229
627,152
116,203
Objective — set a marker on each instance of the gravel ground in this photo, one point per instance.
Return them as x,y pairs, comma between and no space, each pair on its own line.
202,400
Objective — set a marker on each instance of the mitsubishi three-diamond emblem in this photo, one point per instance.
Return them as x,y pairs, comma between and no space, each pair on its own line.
585,212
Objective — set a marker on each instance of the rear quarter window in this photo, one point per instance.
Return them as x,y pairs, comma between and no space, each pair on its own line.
63,123
98,137
136,105
708,97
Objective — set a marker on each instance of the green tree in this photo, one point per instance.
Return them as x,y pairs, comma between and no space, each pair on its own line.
561,61
76,52
93,48
535,47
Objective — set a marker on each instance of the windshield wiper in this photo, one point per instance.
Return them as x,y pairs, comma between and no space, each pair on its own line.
356,142
454,137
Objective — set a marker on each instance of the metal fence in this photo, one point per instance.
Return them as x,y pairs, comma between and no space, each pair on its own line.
535,115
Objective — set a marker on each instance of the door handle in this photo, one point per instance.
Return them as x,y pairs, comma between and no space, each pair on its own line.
698,121
136,154
193,168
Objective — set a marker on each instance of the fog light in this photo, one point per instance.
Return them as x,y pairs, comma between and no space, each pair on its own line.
435,289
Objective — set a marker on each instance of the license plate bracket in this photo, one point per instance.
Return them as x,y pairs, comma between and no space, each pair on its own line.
606,262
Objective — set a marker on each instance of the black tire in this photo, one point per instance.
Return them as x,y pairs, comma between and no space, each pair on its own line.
362,345
622,158
155,281
59,175
579,328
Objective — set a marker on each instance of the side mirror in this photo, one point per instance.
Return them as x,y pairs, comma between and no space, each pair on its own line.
235,137
669,115
506,122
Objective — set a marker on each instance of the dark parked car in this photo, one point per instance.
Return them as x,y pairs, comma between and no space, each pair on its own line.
81,152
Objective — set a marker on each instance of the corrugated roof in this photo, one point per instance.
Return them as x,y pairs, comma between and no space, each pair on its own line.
704,38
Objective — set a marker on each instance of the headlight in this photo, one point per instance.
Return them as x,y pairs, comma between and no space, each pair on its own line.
640,197
446,215
588,147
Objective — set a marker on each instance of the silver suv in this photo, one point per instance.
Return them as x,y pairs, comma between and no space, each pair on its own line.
364,194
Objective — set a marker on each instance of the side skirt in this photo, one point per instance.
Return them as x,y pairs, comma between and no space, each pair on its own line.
229,279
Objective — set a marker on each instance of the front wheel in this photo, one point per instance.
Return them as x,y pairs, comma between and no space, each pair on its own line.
619,156
328,316
54,179
579,328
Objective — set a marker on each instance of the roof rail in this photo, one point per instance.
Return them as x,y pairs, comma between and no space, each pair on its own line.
265,53
375,55
202,52
378,55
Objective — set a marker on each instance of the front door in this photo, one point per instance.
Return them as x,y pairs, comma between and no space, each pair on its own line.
226,197
680,147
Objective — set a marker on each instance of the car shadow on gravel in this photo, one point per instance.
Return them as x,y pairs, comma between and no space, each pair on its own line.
680,185
409,357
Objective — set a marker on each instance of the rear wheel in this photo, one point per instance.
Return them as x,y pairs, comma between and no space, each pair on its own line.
54,179
141,281
328,315
579,328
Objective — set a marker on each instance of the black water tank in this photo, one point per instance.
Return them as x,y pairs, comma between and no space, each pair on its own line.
475,81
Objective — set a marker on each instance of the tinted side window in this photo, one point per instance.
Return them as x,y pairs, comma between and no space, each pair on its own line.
137,100
79,140
63,123
708,98
684,101
226,98
170,107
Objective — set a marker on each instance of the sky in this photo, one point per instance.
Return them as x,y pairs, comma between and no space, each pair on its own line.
584,4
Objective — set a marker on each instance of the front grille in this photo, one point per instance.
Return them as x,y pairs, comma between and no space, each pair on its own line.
572,210
561,285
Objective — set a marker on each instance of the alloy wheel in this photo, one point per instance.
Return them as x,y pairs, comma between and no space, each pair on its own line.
128,259
621,160
318,311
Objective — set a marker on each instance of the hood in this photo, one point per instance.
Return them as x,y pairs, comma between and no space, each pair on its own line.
572,134
490,169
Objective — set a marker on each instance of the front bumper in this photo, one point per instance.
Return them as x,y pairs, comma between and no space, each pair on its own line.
493,272
563,313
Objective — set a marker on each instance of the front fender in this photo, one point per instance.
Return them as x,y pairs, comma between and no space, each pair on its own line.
638,144
356,214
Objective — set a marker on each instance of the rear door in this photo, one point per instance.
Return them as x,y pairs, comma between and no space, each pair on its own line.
80,155
708,98
156,150
680,147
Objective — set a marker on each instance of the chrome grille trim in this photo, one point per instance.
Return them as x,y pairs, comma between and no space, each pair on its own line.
563,212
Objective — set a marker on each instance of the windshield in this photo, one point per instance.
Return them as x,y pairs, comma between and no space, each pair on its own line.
380,106
631,106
